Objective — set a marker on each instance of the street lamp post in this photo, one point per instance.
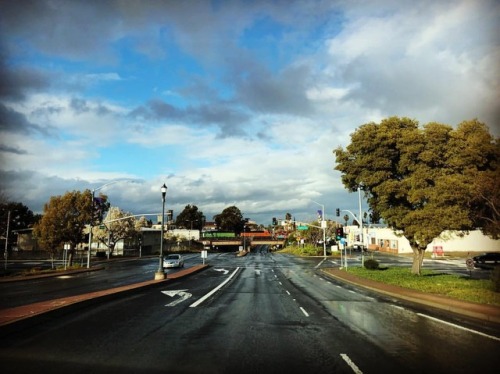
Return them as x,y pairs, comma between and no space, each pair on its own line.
90,229
6,253
361,237
92,219
190,230
244,237
245,222
160,274
323,225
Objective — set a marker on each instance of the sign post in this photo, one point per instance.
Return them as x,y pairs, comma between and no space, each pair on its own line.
470,265
67,247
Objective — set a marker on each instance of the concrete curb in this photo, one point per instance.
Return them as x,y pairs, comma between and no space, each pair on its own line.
55,273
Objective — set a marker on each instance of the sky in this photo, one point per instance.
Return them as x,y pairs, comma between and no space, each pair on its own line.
229,103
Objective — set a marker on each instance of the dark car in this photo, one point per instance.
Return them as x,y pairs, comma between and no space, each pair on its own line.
487,260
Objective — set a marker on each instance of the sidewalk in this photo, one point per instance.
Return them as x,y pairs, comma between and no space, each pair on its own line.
480,311
11,315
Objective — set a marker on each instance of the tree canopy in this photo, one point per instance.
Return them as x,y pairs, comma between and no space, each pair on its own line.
16,216
64,220
190,217
117,225
421,180
230,219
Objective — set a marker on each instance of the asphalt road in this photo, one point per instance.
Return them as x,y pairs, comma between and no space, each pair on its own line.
115,273
266,313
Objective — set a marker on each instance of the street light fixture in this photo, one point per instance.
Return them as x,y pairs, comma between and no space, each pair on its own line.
6,253
323,226
191,229
245,222
361,237
92,218
160,274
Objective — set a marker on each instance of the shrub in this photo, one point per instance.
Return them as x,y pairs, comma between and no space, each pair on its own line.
371,264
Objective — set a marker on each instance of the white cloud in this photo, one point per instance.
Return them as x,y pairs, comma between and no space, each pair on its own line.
236,105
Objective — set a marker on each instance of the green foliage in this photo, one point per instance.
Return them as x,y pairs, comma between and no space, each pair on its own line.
307,250
486,202
310,250
421,181
230,219
371,264
64,220
190,217
20,217
454,286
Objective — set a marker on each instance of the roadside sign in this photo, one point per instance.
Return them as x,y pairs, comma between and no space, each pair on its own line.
302,227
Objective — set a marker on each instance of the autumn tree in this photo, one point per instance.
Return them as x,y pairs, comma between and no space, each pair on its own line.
420,181
142,222
117,225
64,220
230,219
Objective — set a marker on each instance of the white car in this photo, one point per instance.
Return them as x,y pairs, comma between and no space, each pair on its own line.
173,261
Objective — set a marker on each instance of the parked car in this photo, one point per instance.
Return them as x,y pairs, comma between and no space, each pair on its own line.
487,260
173,261
357,247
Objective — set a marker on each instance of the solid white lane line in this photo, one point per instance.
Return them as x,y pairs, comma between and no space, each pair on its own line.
196,303
351,364
459,327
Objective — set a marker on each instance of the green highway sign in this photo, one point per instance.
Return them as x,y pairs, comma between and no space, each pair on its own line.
302,227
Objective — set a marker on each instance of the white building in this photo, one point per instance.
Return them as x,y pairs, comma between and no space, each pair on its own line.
385,239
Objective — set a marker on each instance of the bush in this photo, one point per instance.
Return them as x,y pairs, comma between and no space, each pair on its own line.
371,264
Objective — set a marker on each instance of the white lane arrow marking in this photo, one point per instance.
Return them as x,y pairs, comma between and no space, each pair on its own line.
182,293
223,270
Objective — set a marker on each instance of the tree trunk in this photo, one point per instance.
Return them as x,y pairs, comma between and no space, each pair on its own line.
70,256
418,259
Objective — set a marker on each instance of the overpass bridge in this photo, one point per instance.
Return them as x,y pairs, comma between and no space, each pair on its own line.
237,242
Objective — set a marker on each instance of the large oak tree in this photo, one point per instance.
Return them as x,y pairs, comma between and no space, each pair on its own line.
422,180
190,217
230,219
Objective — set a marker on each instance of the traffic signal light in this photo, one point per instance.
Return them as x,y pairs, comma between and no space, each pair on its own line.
339,233
337,212
275,221
98,208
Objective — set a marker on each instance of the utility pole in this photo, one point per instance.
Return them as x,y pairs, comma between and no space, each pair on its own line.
6,254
